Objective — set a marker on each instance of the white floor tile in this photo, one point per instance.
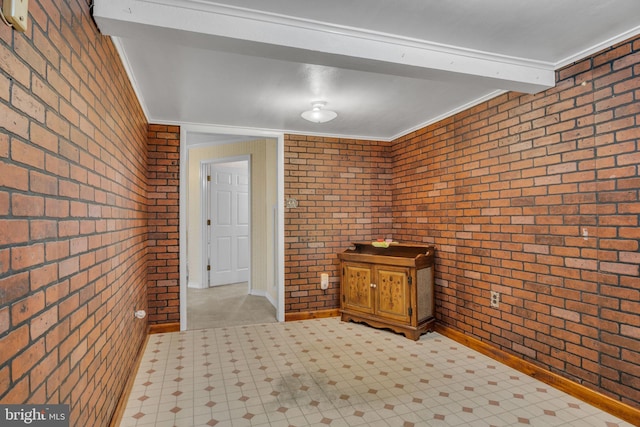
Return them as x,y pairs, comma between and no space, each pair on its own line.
323,372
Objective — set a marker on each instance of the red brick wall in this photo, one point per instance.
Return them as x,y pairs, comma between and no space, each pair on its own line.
73,215
164,273
344,195
506,190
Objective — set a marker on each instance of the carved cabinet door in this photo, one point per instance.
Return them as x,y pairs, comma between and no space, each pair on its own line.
358,293
393,296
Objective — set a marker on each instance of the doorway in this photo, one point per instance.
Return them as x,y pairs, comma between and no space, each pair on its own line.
227,305
264,250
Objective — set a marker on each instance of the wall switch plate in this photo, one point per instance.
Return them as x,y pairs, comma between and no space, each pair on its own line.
495,299
17,13
291,203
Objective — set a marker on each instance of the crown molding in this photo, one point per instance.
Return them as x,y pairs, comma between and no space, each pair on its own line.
449,113
598,47
132,78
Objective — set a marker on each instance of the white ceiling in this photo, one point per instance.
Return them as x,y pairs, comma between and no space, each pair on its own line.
387,67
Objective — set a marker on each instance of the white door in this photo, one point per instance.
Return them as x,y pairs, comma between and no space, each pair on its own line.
228,218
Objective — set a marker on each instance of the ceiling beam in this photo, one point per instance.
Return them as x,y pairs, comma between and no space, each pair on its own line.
216,26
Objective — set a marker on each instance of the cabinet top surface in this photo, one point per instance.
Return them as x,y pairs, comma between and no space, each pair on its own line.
402,250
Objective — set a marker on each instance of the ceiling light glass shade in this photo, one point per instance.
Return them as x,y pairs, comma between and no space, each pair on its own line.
317,114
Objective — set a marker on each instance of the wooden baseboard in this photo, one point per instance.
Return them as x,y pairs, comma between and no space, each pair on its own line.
121,406
592,397
162,328
306,315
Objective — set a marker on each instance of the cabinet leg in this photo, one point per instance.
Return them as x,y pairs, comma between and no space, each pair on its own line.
413,335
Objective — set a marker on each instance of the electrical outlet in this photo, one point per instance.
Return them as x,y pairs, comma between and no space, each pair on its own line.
495,299
16,12
324,281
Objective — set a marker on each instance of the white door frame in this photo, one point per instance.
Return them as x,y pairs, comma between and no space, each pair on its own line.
185,130
205,189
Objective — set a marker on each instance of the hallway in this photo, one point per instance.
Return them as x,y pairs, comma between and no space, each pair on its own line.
226,305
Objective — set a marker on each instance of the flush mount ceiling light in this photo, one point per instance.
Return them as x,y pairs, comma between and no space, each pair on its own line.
317,114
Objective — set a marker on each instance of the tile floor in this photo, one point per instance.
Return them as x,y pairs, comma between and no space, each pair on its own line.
324,372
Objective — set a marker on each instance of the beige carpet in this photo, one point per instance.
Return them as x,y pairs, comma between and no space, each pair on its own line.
227,305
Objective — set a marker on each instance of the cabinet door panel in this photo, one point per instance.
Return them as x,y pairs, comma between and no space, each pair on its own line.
358,293
393,296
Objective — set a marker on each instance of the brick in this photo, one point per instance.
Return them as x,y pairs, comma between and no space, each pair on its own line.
13,287
56,208
27,154
5,85
57,166
27,205
42,229
620,268
14,67
5,380
27,308
14,342
26,256
43,91
43,322
5,323
42,370
19,391
631,331
43,183
26,103
4,203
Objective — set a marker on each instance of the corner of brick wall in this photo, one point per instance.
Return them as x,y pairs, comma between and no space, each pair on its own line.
533,196
164,206
344,195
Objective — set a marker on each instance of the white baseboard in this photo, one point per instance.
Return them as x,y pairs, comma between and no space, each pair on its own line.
264,294
195,285
269,298
258,293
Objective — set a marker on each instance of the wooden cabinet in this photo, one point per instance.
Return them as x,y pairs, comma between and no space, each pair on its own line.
389,287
